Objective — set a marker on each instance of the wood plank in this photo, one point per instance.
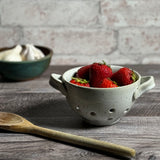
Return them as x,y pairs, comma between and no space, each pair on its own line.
55,104
140,133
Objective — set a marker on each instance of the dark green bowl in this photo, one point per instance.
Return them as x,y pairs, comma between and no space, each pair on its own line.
25,70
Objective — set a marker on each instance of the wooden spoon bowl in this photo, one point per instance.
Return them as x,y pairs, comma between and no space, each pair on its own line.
9,119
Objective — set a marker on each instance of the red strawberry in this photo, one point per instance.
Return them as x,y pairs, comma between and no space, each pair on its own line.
80,82
83,72
98,72
124,76
108,83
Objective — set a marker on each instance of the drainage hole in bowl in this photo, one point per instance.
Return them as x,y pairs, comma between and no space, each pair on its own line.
112,110
77,108
93,113
126,110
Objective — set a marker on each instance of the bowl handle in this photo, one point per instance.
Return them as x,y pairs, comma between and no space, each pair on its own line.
147,83
56,82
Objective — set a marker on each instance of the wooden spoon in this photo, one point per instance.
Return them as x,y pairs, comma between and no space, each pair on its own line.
16,123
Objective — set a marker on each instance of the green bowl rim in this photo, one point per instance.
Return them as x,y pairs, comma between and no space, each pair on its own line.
47,56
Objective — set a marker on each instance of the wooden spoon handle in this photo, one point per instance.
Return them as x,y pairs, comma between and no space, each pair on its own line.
84,141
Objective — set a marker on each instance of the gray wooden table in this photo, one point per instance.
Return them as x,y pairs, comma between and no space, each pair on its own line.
40,103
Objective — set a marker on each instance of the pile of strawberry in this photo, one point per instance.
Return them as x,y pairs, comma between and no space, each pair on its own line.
100,75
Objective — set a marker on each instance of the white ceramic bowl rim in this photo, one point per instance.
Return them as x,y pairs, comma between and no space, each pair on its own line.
73,71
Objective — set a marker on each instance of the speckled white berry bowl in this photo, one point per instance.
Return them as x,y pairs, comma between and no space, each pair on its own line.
101,106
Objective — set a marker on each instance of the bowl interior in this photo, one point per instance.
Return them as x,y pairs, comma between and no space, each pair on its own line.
70,73
47,52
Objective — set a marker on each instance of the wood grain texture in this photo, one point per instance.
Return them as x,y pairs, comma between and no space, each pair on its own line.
47,107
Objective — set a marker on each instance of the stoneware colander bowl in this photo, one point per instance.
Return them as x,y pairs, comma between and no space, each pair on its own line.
100,106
